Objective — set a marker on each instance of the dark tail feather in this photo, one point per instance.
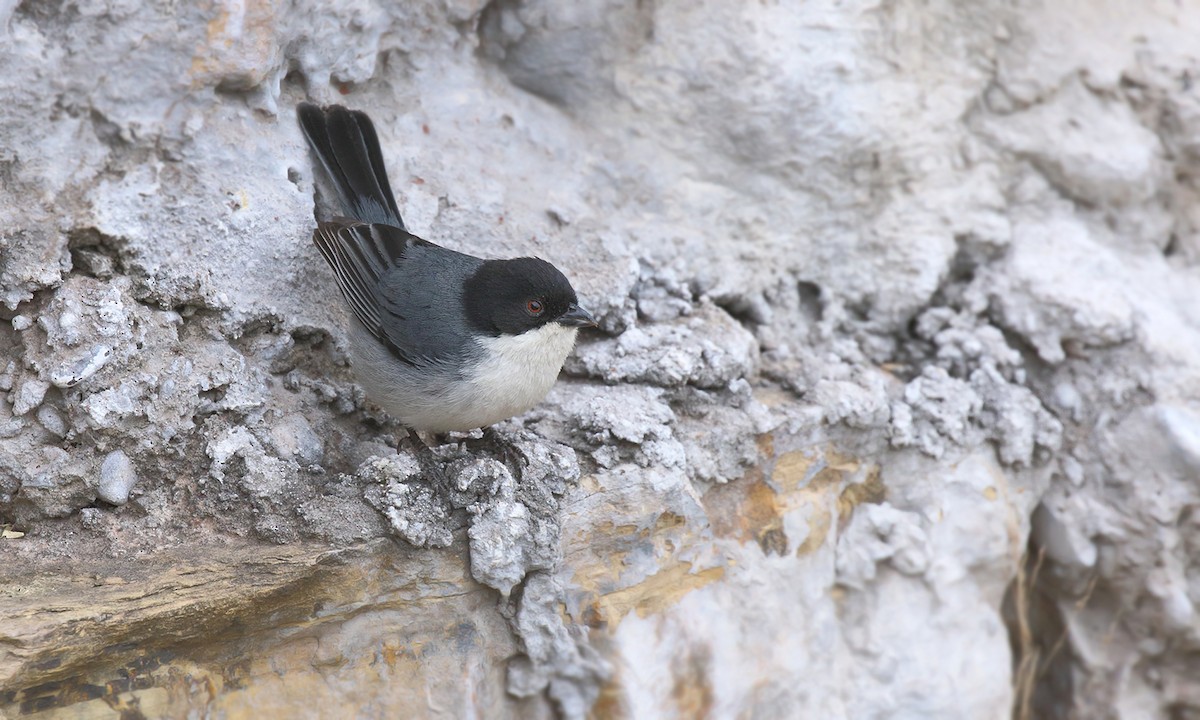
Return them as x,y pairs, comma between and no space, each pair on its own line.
345,143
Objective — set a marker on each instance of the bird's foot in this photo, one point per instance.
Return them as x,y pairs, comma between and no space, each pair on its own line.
431,467
510,453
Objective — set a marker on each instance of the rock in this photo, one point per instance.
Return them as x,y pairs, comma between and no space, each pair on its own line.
707,349
417,513
83,368
117,478
52,420
888,301
293,437
497,536
29,395
881,533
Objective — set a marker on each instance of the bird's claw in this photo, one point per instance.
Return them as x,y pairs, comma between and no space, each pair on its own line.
510,453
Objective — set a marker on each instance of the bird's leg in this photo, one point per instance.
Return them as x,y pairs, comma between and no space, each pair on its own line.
431,467
510,453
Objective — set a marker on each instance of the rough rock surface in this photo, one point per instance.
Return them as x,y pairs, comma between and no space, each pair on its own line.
894,410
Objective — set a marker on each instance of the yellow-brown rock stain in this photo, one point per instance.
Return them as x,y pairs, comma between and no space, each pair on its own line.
691,694
656,593
238,46
821,481
618,541
691,689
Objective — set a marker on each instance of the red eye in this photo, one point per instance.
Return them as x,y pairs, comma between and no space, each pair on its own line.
534,307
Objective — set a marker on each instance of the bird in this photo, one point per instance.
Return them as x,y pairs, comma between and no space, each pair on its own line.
441,340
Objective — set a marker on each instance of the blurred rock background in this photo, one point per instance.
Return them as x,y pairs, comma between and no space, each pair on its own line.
894,411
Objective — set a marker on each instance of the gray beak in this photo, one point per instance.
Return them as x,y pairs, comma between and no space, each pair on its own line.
576,316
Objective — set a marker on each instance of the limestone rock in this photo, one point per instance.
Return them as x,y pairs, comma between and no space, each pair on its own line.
898,360
117,478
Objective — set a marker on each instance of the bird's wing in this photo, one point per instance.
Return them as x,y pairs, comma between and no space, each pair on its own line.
365,258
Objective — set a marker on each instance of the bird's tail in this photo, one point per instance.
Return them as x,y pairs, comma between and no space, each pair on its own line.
345,144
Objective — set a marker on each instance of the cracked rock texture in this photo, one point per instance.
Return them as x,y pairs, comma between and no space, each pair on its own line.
894,410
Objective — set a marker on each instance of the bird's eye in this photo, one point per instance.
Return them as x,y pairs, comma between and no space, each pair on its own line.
534,307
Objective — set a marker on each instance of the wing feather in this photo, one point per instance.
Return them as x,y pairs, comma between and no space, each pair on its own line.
360,254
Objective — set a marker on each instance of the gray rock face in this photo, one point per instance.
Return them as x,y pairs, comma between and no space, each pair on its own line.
899,352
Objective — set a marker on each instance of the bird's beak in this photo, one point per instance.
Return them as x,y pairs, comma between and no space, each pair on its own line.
576,316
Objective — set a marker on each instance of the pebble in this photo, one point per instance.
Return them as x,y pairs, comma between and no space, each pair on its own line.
11,428
52,420
117,478
293,438
90,517
6,377
83,368
29,396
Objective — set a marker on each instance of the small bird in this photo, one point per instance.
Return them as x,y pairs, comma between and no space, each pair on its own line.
442,340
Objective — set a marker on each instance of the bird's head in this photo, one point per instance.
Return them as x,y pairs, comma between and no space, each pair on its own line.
511,297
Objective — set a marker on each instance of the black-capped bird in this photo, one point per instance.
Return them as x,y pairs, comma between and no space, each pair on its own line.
442,341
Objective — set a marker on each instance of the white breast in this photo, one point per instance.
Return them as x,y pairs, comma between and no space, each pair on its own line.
515,374
519,370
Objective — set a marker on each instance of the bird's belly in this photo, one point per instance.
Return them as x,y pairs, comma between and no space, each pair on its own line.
518,371
514,374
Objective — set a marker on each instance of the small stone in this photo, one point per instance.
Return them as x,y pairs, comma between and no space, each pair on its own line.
29,395
117,478
1063,541
293,438
52,420
90,517
11,428
94,262
22,322
82,368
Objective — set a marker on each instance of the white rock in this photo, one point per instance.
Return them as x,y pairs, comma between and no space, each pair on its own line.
52,420
82,368
29,395
117,478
